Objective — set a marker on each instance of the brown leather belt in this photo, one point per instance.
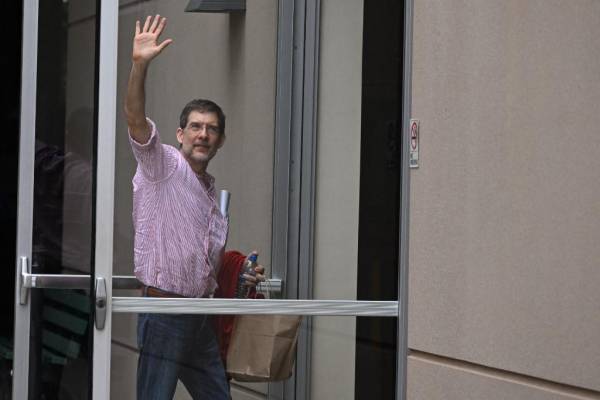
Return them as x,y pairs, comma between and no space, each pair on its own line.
151,291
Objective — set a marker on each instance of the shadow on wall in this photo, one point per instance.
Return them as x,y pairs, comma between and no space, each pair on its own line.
237,27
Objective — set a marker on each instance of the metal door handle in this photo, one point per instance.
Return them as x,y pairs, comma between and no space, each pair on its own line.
101,299
272,286
24,271
27,281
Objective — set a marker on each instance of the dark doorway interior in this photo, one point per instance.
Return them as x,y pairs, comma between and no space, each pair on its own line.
9,110
378,245
54,348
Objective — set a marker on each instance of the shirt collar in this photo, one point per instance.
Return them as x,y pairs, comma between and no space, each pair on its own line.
209,182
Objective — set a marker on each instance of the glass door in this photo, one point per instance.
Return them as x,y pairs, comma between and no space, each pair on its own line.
292,163
51,353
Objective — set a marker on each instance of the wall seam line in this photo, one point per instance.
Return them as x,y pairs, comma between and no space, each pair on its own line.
506,375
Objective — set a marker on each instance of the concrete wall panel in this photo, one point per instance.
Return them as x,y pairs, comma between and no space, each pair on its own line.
435,380
505,210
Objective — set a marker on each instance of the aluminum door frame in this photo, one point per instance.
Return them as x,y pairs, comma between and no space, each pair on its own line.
105,189
294,169
403,268
20,387
104,194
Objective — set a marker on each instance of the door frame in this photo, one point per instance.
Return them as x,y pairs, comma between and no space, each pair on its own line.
25,195
403,268
296,104
104,194
294,169
105,189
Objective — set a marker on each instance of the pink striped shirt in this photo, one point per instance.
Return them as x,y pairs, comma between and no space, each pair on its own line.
179,232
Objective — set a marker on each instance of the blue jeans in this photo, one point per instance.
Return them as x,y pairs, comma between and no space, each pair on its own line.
180,347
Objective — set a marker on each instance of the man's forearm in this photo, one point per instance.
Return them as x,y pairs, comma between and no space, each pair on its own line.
145,48
135,103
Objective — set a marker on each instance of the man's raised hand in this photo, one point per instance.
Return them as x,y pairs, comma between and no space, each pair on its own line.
145,42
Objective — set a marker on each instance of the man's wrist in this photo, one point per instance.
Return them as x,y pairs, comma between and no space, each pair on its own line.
140,64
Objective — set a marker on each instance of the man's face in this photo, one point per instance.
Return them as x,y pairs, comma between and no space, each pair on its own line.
200,139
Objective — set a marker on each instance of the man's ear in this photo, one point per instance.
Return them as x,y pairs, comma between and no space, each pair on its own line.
179,135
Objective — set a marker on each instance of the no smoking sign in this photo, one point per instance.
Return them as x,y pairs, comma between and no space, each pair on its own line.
414,143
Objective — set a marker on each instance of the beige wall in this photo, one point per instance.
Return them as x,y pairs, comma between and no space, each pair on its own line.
505,216
430,379
337,195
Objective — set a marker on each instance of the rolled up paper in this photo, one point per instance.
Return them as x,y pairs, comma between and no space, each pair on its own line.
224,203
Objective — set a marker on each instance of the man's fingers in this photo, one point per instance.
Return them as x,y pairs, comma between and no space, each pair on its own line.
147,24
164,44
161,26
154,23
249,278
137,28
252,280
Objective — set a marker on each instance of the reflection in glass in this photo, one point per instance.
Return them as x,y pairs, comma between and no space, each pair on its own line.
60,344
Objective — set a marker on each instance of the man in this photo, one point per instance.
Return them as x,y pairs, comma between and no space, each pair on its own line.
180,234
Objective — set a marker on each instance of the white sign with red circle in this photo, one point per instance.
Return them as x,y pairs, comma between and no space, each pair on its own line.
414,143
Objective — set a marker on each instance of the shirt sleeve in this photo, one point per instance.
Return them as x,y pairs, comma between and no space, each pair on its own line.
154,159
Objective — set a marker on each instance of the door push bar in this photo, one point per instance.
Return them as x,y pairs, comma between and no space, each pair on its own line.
64,281
27,281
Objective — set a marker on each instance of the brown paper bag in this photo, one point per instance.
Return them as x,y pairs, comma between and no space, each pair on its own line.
263,347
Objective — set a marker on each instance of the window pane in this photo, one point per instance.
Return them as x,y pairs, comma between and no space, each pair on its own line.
331,370
229,59
357,204
63,199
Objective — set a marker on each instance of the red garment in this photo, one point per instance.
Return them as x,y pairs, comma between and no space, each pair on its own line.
227,279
